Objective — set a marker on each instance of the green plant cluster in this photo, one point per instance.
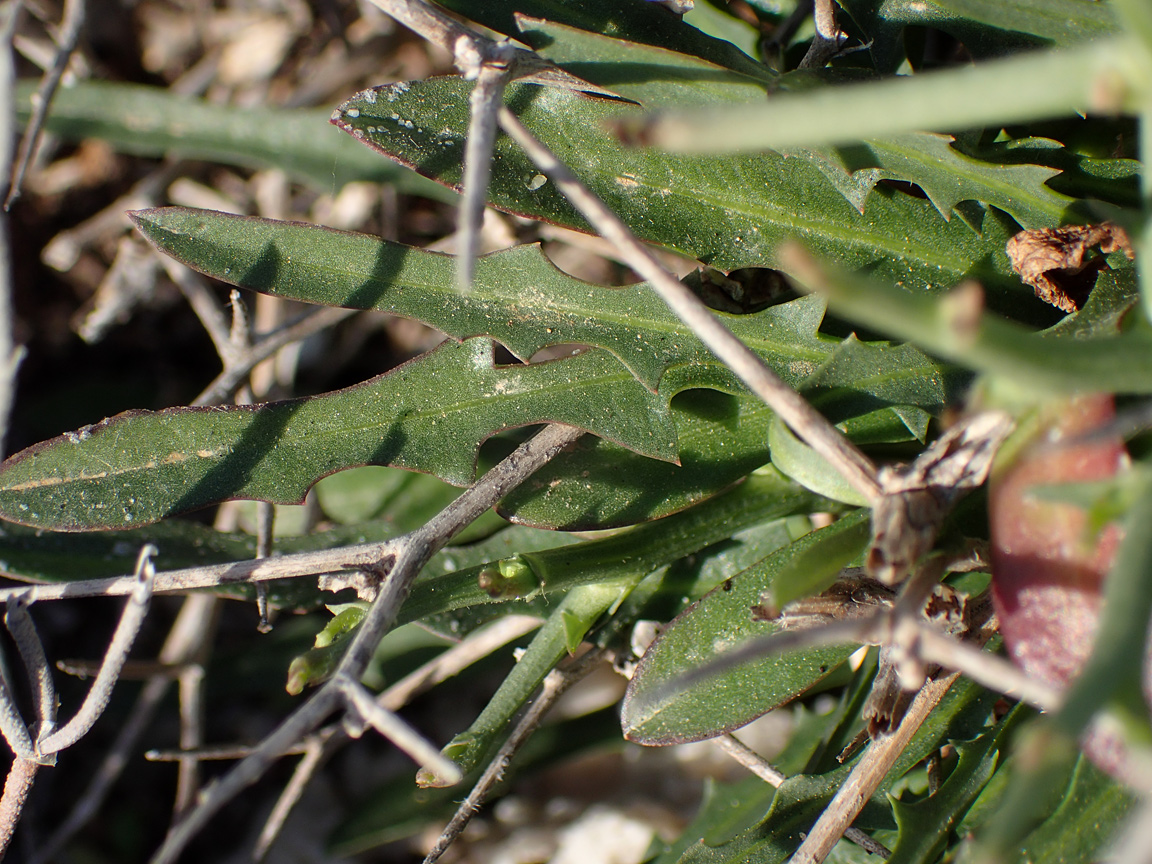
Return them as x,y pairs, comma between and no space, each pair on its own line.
711,496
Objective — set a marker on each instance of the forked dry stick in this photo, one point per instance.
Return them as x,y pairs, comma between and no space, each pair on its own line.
70,23
410,553
38,743
828,39
324,742
556,683
758,765
184,643
805,421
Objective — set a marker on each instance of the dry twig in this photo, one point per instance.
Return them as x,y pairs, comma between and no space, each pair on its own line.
411,553
556,683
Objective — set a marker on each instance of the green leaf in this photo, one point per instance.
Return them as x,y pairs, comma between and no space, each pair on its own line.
153,121
726,211
948,177
797,460
1034,362
656,77
1081,828
718,624
597,484
875,392
429,415
986,27
561,632
634,20
925,825
621,558
815,566
518,296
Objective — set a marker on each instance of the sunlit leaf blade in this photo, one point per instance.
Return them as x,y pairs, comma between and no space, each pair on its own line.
518,297
634,20
152,121
877,393
596,484
656,712
727,211
948,176
663,80
429,415
987,28
654,76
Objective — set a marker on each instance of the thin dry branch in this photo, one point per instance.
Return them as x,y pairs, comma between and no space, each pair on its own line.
125,634
320,746
362,707
411,553
19,624
485,101
805,421
10,355
866,778
555,684
16,787
190,632
70,24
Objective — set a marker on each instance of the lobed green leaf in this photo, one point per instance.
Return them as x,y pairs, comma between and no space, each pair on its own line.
728,211
428,415
518,296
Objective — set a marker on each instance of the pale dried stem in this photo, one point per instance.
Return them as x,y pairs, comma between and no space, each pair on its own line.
828,38
63,250
16,788
362,705
12,725
555,684
220,753
429,21
10,354
19,624
457,658
101,690
226,383
190,688
240,330
469,49
265,524
750,759
71,22
486,98
218,575
204,303
301,777
804,420
411,553
867,776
